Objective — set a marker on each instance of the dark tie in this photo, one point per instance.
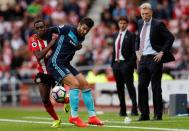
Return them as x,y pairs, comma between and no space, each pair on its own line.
143,35
118,46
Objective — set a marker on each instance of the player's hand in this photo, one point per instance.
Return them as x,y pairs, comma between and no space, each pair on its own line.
54,36
138,55
79,46
158,57
48,54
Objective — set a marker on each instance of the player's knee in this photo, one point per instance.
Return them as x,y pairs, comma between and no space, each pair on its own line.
85,84
75,84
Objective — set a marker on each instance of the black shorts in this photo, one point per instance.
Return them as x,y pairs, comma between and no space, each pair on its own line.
45,79
59,72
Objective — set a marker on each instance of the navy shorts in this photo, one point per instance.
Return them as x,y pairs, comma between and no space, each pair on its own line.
59,72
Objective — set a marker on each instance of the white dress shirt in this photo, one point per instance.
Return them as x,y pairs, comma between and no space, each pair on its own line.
148,50
116,43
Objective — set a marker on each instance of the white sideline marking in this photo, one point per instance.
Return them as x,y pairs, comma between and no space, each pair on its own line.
106,121
37,118
135,121
26,121
128,127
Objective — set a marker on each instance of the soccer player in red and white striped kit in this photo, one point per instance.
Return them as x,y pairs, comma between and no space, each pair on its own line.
41,44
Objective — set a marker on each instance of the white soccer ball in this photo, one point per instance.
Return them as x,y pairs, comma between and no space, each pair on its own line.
58,93
127,120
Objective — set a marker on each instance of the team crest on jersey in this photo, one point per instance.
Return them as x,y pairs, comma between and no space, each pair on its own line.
34,44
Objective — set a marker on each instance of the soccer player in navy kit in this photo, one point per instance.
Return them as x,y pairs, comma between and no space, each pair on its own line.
69,41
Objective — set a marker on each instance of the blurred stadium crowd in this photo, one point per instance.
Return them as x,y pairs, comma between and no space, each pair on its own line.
16,23
16,17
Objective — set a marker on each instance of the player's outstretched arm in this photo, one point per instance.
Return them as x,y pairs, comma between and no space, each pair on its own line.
41,54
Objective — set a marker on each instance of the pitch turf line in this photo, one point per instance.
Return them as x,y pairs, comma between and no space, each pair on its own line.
37,118
135,121
106,121
127,127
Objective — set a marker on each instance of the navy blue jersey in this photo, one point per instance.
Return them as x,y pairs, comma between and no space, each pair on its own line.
67,43
65,47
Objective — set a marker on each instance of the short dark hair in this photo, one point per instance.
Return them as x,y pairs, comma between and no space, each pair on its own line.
37,21
88,21
125,18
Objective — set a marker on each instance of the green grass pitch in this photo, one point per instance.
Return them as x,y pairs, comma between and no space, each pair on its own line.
36,119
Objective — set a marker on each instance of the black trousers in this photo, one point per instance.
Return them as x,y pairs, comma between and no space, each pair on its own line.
124,75
150,71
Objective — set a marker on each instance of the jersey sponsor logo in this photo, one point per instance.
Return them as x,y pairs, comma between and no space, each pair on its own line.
34,44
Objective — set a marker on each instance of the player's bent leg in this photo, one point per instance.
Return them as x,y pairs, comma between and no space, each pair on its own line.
71,81
74,93
44,92
49,108
89,103
74,103
82,81
88,100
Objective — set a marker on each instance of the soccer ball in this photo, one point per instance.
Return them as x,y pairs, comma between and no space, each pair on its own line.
59,94
127,120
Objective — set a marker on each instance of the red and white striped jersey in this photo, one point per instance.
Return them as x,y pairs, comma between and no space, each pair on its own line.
35,44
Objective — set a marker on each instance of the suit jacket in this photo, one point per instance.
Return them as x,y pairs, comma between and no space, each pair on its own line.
161,39
127,49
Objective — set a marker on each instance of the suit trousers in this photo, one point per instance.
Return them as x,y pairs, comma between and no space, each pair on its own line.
150,71
123,74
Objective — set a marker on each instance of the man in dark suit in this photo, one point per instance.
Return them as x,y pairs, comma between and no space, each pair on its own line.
123,63
152,49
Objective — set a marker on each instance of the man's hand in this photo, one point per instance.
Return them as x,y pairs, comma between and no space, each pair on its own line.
79,46
138,55
159,56
54,36
48,54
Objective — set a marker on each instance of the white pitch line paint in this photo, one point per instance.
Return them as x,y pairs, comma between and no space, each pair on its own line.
37,118
135,121
106,121
126,127
26,121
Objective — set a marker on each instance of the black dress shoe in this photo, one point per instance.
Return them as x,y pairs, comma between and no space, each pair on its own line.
122,114
157,118
134,113
144,118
